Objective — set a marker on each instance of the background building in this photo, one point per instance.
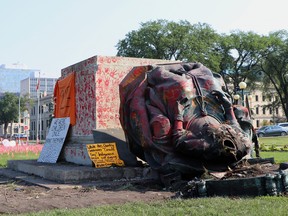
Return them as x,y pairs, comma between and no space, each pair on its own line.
12,75
40,117
30,85
18,79
264,112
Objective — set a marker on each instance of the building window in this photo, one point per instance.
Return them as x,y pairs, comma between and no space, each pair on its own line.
256,97
257,123
277,111
264,111
270,111
263,97
257,110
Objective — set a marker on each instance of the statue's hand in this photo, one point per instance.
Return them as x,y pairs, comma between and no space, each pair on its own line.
179,109
222,98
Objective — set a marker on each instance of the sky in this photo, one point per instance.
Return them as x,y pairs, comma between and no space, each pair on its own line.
50,35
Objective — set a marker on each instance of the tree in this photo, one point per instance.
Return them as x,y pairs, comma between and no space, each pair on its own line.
203,44
241,53
236,56
156,39
182,41
9,108
275,67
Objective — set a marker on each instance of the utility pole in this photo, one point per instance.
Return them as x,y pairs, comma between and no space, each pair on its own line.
38,108
19,119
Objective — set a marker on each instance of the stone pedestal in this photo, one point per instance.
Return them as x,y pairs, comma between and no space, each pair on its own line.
97,103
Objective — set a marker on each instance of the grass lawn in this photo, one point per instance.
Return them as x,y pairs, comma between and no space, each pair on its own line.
279,156
277,140
16,156
21,152
178,207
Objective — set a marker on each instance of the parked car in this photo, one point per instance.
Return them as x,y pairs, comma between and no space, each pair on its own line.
283,124
273,130
261,129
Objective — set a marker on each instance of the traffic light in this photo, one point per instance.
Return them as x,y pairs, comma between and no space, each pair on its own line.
51,107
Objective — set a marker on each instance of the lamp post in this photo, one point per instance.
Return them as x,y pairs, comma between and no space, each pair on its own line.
242,86
236,98
273,108
19,119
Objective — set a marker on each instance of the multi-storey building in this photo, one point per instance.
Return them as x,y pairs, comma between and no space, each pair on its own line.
263,109
33,85
12,75
263,112
40,117
41,91
18,79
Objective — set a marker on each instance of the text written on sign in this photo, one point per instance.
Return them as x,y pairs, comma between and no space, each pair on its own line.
104,154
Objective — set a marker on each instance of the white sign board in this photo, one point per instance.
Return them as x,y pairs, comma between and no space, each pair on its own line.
54,140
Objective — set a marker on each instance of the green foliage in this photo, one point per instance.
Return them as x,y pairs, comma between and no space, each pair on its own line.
273,144
9,108
162,39
238,56
235,56
242,52
273,148
275,66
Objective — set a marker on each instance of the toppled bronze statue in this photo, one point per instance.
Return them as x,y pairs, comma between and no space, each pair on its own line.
180,119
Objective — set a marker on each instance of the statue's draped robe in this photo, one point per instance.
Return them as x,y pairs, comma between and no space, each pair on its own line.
178,116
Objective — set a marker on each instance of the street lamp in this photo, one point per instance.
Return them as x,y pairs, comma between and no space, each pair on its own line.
19,119
236,98
273,107
242,86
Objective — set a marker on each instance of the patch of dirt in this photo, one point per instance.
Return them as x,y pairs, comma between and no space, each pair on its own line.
21,197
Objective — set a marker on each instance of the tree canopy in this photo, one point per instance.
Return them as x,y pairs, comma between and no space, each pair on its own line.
241,53
9,108
274,66
238,56
182,41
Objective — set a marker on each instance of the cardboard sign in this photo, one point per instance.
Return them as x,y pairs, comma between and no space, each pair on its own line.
104,154
54,140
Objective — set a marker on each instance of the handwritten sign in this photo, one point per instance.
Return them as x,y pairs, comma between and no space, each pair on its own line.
54,140
104,154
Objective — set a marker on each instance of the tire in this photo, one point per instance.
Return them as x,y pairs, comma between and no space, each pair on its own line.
283,134
260,135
